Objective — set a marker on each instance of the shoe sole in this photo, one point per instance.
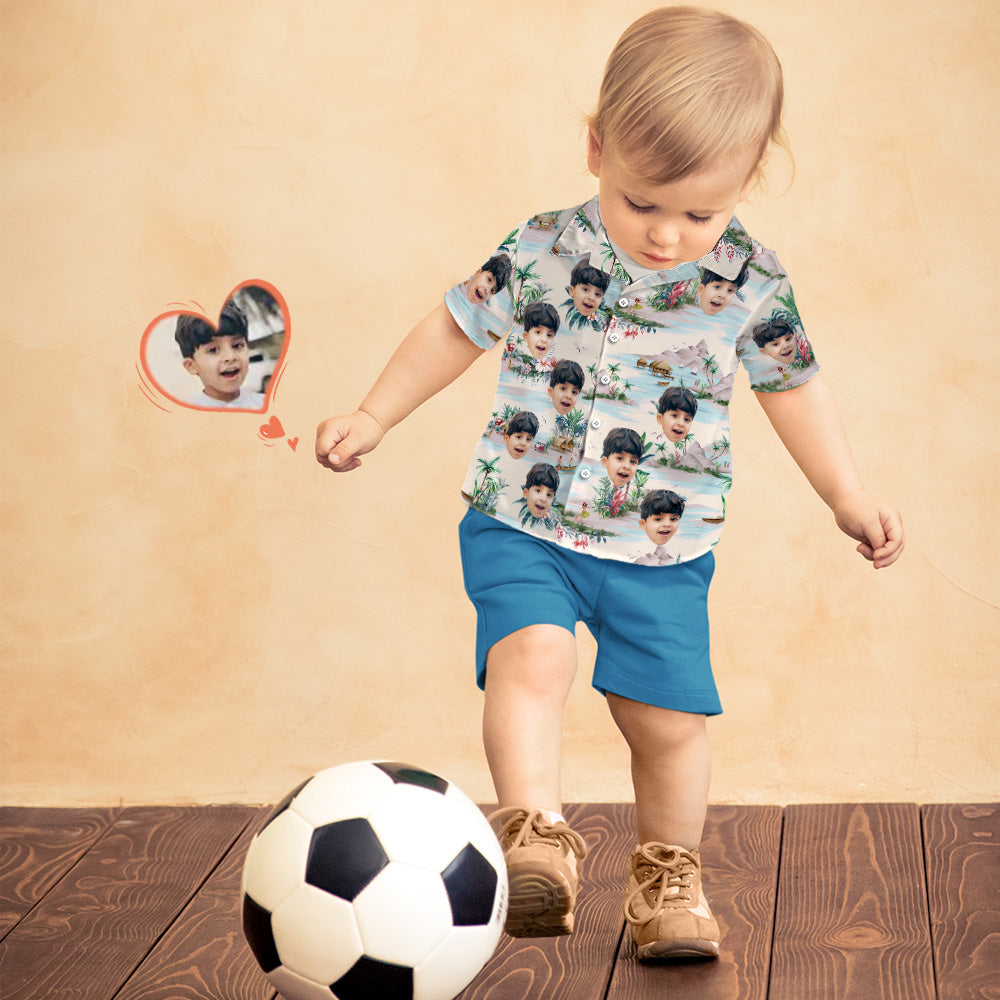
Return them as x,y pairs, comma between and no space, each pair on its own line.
680,948
541,903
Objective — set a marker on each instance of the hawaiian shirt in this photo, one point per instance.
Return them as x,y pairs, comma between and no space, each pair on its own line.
610,429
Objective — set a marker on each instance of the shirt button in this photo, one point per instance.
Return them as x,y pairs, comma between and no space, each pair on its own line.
613,337
585,474
596,423
605,380
623,303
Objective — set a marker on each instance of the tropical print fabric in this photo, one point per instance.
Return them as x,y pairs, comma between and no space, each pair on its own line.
610,428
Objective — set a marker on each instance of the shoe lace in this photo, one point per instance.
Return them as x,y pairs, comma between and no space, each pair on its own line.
524,827
670,870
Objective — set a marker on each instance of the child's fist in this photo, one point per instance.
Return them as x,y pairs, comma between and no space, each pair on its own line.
340,441
874,523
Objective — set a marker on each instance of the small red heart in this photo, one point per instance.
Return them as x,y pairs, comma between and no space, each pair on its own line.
272,429
293,443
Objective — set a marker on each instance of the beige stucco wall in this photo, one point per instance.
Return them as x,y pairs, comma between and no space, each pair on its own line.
190,615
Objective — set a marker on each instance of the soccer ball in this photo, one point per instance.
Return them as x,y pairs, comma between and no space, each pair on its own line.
374,880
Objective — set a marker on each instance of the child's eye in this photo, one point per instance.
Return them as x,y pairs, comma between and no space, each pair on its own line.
700,219
641,209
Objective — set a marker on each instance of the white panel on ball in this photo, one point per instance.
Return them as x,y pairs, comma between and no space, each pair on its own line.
341,793
403,915
317,934
276,863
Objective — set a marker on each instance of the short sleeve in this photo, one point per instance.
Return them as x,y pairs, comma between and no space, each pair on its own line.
483,305
773,346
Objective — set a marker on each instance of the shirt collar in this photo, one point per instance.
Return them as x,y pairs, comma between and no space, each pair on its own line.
585,234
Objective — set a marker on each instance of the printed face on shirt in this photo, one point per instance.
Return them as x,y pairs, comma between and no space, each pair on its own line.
674,424
715,296
518,443
222,366
539,500
564,396
782,349
481,288
663,225
621,466
586,298
660,528
539,340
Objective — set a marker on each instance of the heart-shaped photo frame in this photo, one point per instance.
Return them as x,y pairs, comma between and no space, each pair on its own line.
232,364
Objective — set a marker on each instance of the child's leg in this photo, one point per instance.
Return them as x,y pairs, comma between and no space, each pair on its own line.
528,678
671,770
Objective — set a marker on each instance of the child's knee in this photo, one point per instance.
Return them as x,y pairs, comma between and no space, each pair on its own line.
538,657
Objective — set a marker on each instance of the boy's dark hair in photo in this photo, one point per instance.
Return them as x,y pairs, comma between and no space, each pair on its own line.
499,266
772,329
677,398
622,439
707,276
541,314
567,372
584,274
524,422
661,502
192,332
542,474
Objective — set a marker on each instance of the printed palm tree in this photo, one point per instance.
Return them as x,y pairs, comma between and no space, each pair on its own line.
489,471
572,423
529,288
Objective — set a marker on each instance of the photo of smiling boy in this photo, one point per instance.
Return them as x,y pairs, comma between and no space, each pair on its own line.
621,455
491,278
777,339
586,288
716,292
519,434
219,358
659,516
541,323
565,385
540,490
675,412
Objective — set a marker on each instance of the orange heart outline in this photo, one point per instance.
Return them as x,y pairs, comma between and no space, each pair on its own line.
154,349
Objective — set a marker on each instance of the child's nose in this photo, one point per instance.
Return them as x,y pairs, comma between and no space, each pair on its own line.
664,234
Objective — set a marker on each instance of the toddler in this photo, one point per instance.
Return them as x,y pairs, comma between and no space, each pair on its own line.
689,105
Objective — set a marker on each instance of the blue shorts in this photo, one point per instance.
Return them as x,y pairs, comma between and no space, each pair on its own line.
650,623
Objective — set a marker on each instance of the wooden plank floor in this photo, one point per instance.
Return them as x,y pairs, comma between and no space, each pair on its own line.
826,902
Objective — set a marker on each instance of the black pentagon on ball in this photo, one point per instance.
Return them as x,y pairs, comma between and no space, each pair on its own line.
404,774
471,883
260,937
344,857
369,979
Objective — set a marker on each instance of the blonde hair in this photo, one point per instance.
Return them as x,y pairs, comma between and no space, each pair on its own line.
686,88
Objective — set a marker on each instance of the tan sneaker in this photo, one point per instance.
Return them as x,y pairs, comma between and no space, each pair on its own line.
541,871
666,906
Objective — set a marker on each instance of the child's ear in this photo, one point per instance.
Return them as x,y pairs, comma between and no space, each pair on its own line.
189,366
593,152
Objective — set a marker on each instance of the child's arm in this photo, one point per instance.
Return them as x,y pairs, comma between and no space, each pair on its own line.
809,424
434,353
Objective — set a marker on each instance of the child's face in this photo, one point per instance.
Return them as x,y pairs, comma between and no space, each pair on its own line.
586,298
564,396
660,528
715,296
621,466
222,366
482,286
674,424
539,500
782,349
518,443
663,225
539,340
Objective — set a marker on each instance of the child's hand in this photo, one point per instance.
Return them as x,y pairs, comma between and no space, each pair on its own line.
874,523
340,441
